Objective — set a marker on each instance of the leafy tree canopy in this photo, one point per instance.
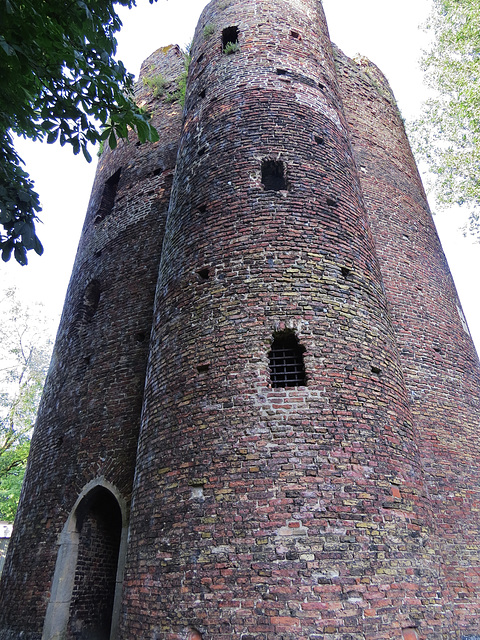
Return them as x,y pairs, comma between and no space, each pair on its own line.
59,80
25,346
447,136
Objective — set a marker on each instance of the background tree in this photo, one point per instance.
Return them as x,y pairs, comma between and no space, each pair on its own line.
59,80
26,345
447,136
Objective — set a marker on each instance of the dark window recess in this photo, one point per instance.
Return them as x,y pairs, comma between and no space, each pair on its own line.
203,274
91,298
157,171
108,196
281,72
202,151
202,208
376,370
345,271
331,202
203,368
229,37
273,175
295,34
202,93
319,140
286,361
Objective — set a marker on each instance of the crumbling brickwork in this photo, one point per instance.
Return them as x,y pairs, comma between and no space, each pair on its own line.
305,461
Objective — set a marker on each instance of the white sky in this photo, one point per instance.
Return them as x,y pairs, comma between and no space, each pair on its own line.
386,31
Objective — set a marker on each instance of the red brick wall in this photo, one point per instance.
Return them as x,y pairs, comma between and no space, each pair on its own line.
272,513
343,508
90,413
438,358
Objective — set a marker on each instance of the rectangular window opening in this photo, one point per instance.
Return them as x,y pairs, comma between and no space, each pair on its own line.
108,196
230,39
273,175
287,368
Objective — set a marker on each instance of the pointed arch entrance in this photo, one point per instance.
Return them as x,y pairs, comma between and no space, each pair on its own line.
88,575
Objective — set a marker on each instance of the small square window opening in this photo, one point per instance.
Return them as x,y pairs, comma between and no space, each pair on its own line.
273,175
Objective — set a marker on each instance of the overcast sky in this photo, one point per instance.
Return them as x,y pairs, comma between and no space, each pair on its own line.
386,31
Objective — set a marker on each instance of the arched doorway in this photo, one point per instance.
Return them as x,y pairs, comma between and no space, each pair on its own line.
87,581
99,525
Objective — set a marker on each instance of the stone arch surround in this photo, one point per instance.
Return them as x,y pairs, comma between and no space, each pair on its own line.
57,616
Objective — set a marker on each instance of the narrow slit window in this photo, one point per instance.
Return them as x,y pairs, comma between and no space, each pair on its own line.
273,175
91,298
108,196
287,368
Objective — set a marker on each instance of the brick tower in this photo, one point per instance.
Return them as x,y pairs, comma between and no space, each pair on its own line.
305,463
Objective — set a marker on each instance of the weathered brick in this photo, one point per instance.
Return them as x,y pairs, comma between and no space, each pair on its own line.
346,507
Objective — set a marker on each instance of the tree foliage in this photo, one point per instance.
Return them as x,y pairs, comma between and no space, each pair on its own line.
447,136
59,82
26,347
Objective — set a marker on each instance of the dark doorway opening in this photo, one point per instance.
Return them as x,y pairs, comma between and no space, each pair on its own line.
99,525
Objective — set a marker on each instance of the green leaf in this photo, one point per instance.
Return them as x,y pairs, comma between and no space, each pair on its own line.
28,236
20,254
37,247
86,154
52,136
62,83
112,141
10,51
153,135
7,252
446,136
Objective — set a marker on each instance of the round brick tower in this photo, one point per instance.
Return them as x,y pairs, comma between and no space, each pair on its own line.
441,367
76,497
278,490
305,466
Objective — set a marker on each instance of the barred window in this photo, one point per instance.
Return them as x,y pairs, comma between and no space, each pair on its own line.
286,361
